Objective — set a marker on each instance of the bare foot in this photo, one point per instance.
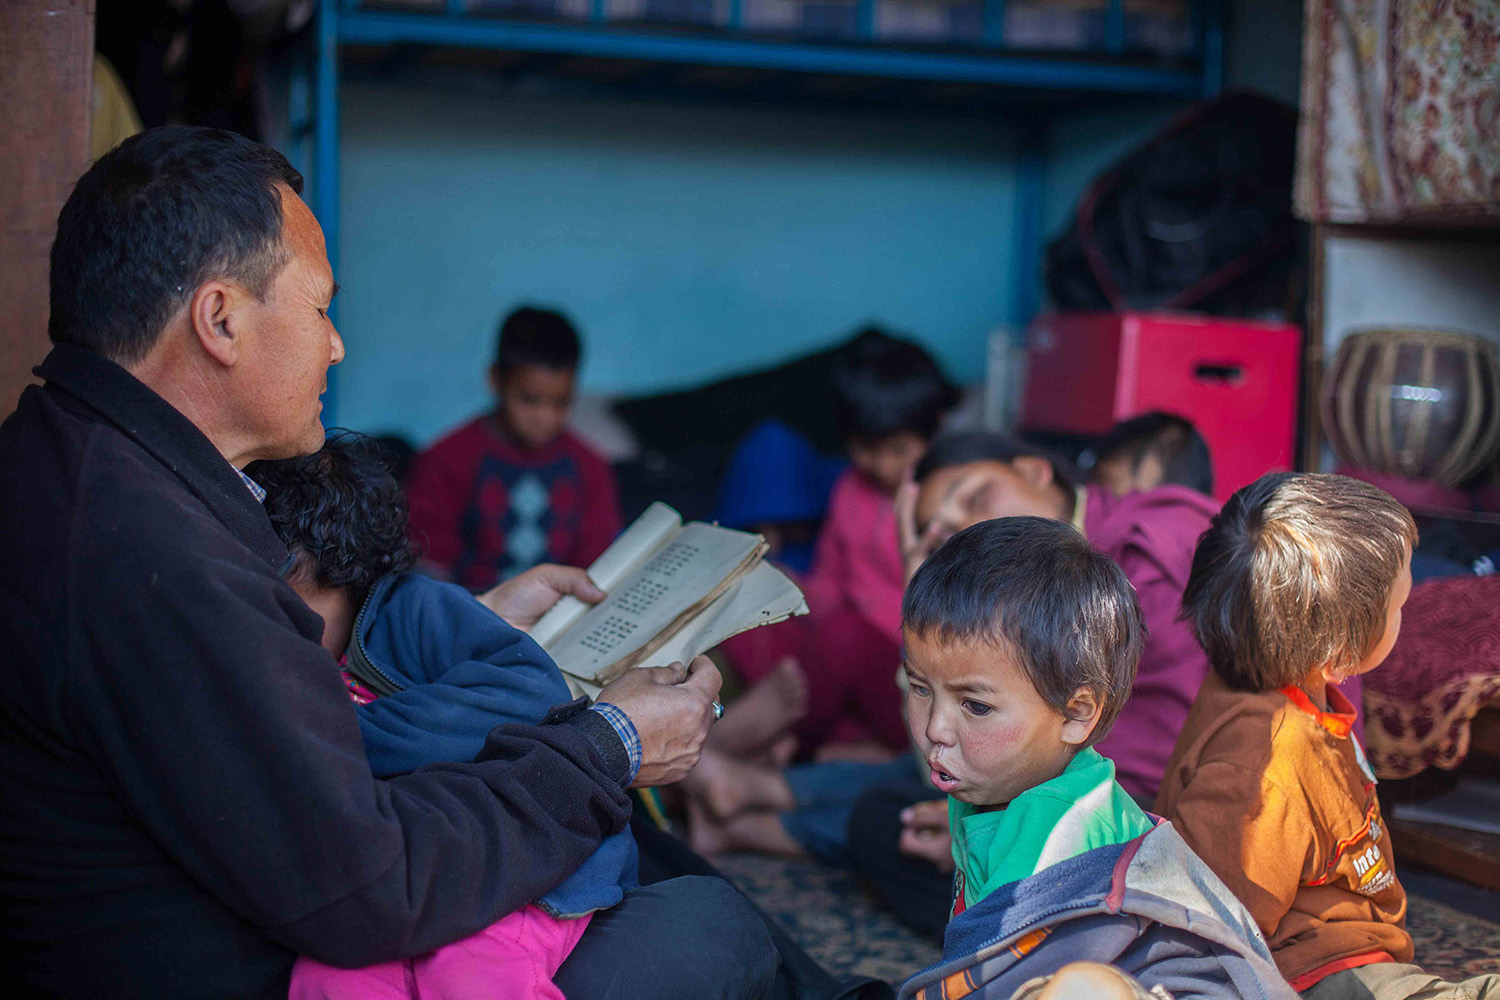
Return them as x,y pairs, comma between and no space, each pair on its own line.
868,752
763,832
727,786
761,715
704,833
781,752
776,756
758,830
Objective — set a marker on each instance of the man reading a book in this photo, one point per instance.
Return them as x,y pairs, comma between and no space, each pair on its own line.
187,802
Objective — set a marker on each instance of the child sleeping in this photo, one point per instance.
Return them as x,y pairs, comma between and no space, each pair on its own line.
431,671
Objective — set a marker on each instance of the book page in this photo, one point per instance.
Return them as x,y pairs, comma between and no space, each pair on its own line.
689,568
689,614
625,555
764,596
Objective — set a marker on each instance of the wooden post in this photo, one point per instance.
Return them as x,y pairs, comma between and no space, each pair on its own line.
46,99
1311,457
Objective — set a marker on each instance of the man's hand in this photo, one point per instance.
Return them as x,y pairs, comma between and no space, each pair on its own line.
523,599
925,833
672,708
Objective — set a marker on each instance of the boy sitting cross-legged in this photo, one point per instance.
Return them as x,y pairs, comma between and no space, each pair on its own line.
1296,587
1021,647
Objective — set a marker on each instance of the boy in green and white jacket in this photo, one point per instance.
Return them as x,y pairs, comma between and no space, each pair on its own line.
1021,647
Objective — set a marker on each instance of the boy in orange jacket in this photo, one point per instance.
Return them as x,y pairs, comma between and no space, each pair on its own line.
1297,586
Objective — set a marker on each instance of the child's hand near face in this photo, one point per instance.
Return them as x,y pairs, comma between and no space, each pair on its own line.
925,833
916,545
887,460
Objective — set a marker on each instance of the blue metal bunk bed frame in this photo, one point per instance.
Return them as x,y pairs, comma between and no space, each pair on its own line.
313,120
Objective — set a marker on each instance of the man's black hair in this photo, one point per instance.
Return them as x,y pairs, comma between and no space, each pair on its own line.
1174,441
1035,586
988,446
884,385
538,337
154,218
341,511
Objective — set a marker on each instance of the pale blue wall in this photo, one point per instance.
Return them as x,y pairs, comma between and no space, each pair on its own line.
691,240
1265,47
687,240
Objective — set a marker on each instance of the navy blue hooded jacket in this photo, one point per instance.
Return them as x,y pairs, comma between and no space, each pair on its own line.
448,671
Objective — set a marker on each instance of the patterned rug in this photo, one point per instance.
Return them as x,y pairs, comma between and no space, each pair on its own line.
1451,943
833,916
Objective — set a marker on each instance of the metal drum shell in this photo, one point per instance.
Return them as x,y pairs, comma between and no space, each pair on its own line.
1417,403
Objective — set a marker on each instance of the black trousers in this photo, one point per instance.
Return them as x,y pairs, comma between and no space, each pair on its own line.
913,889
691,936
797,975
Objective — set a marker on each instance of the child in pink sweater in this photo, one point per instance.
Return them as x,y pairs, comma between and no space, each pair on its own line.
888,398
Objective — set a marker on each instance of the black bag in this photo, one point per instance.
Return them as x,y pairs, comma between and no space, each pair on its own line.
1204,206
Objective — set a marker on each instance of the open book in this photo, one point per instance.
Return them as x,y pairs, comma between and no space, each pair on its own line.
675,591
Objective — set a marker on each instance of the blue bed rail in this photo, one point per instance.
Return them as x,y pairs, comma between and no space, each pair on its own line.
990,45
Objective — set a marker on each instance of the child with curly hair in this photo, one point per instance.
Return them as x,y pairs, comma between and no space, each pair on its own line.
431,671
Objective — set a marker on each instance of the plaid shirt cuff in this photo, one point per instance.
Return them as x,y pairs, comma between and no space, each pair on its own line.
622,726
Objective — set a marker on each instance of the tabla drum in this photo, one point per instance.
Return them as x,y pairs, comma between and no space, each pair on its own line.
1423,404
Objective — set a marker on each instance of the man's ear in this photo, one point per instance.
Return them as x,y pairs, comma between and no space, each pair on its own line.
215,312
1081,716
497,381
1034,469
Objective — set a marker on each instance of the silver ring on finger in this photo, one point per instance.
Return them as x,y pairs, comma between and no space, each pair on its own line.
718,711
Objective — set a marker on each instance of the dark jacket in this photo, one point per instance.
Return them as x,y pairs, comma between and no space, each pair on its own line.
1147,906
449,670
185,801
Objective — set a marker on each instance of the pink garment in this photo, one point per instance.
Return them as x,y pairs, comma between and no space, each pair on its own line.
850,694
849,666
857,564
1152,536
512,959
849,644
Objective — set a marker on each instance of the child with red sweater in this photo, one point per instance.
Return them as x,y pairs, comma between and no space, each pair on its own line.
513,488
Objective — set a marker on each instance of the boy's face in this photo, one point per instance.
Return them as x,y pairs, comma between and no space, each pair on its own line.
885,461
1117,475
958,496
332,604
534,402
1400,591
980,725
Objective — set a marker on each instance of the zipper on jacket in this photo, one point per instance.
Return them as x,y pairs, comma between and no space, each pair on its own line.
942,970
357,660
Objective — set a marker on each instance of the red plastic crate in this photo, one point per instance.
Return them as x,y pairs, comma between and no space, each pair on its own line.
1235,379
